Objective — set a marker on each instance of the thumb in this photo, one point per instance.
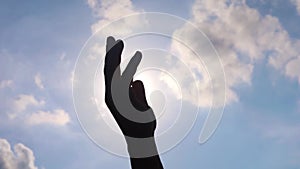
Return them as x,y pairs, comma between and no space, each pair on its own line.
138,95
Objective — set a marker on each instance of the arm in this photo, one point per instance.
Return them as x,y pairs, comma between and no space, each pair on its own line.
127,102
152,162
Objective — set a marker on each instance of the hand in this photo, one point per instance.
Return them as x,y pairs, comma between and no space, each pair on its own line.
127,102
124,97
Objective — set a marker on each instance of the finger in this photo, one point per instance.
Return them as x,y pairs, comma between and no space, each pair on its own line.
132,67
113,59
110,42
139,91
138,96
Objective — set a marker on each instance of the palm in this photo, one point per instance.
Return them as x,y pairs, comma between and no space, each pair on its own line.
124,97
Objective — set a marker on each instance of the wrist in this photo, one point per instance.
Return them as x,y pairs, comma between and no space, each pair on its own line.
141,147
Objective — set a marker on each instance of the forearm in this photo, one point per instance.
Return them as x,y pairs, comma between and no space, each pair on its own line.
146,163
143,153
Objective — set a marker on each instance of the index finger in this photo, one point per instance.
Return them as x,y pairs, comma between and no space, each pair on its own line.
132,67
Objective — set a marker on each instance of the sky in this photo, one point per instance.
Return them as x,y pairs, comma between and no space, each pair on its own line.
258,43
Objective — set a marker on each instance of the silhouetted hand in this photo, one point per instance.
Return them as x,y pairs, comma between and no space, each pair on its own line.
127,102
124,97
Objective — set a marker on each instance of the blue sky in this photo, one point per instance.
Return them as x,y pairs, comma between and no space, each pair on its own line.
39,45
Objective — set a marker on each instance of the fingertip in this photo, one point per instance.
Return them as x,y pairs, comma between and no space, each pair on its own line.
138,54
110,42
120,42
138,83
137,57
110,39
119,45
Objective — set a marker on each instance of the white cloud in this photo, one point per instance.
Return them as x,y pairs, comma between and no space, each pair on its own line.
106,12
22,102
92,3
38,81
237,30
292,69
297,4
21,157
57,117
6,83
24,107
240,34
111,10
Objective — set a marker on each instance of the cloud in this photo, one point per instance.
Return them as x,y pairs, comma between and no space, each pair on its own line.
92,3
22,102
6,83
111,10
21,157
297,4
292,68
241,36
38,81
28,109
57,117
